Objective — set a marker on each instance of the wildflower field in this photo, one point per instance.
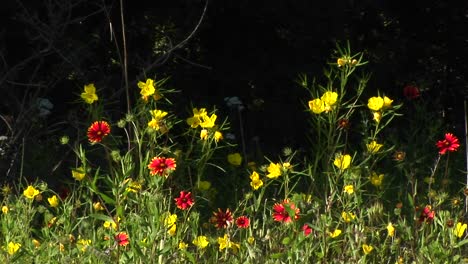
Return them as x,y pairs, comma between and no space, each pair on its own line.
373,184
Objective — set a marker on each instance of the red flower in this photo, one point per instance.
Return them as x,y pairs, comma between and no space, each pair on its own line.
184,201
411,92
242,222
161,166
450,143
222,219
307,229
282,212
97,131
427,215
122,239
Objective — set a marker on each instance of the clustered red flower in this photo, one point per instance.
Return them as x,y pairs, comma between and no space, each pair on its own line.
427,215
450,143
285,211
222,219
411,92
161,166
184,201
97,131
307,229
122,239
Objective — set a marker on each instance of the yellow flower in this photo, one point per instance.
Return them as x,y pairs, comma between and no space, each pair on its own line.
255,181
89,94
335,233
208,122
170,219
347,217
133,187
98,206
196,119
5,209
201,242
13,247
182,245
78,174
234,159
329,99
204,134
225,242
172,230
459,229
147,89
377,116
218,136
36,243
83,244
30,192
274,170
157,116
53,201
341,62
342,161
376,180
349,189
251,240
390,230
317,106
367,248
111,224
374,147
387,102
375,103
61,247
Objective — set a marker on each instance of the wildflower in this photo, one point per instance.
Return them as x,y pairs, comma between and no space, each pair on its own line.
133,186
317,106
377,116
51,222
329,99
36,243
347,217
342,62
208,122
225,242
376,180
285,212
367,248
342,161
234,159
218,136
184,201
83,244
387,102
274,170
335,233
307,229
287,166
97,131
5,209
61,247
201,242
13,247
349,189
89,94
255,181
161,166
343,123
170,220
427,214
110,225
399,155
182,245
450,143
147,89
98,206
78,173
222,219
172,230
242,222
390,230
411,92
122,239
251,240
375,103
53,201
460,229
204,134
197,117
30,192
374,147
157,117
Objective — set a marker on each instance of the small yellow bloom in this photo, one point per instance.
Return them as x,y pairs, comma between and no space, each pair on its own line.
274,170
157,116
377,116
390,230
133,187
374,147
342,161
197,117
347,217
341,62
83,244
30,192
89,94
459,229
5,209
98,206
375,103
251,240
78,174
201,242
36,243
349,189
376,180
53,201
335,233
182,245
170,219
208,122
235,159
287,166
172,230
204,134
218,136
256,183
111,224
329,99
147,89
317,106
387,102
13,247
367,248
61,247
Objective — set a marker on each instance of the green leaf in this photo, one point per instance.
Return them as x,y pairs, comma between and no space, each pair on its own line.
102,217
461,243
277,255
286,241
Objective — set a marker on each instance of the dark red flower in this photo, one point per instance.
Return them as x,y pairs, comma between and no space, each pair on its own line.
122,239
285,211
450,143
427,215
307,229
411,92
97,131
161,166
242,221
222,219
184,201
